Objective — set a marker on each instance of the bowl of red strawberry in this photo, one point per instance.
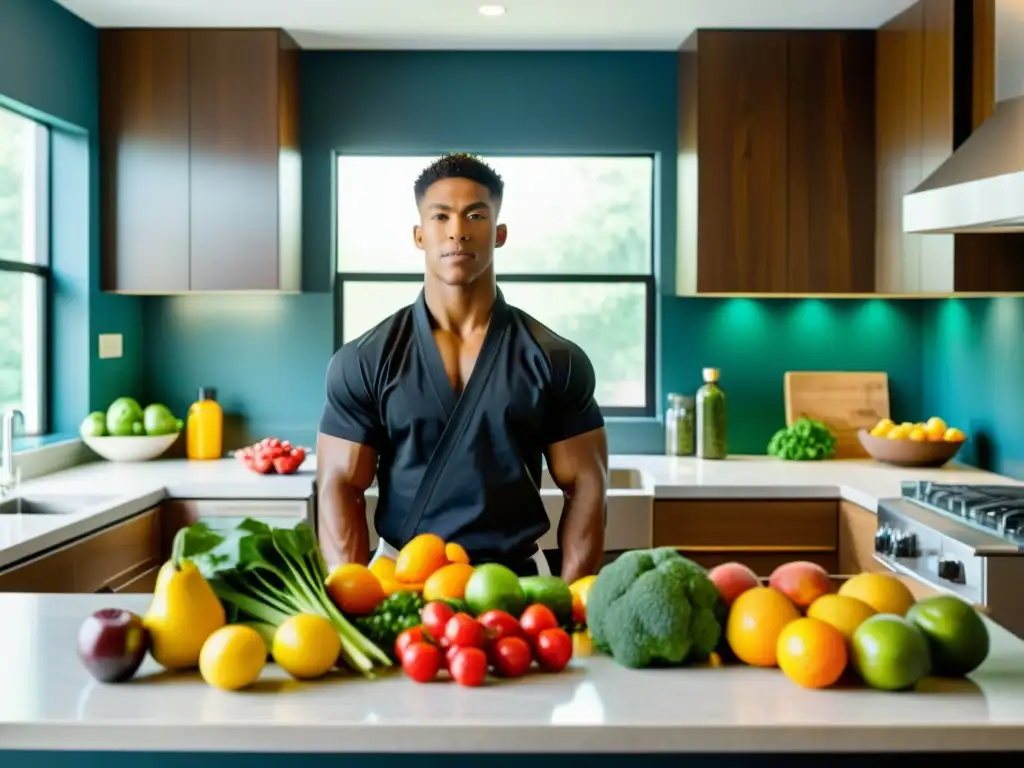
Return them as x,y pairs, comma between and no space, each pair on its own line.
271,456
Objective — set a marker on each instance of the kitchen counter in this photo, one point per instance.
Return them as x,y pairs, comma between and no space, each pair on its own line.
110,492
50,703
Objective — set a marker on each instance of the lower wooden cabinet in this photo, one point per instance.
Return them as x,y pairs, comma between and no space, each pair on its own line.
857,528
763,533
115,559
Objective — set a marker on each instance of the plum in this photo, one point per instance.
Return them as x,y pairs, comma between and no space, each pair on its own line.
112,644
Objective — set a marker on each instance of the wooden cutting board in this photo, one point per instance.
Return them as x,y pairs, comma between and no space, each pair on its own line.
845,401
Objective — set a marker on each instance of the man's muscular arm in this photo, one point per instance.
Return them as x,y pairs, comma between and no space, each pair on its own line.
344,470
579,466
350,439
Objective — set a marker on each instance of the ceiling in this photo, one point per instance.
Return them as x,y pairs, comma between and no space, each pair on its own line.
457,24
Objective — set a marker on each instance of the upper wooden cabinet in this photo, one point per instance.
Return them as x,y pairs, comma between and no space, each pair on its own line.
776,171
935,84
201,174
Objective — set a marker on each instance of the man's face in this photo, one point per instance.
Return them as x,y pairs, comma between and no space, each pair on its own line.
458,230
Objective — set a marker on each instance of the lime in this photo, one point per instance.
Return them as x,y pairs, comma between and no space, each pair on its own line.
957,636
495,587
122,417
889,652
157,419
94,425
550,591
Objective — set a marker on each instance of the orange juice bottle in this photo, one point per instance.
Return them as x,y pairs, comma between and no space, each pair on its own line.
204,429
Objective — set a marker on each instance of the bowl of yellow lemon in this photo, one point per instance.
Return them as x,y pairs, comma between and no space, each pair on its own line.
925,444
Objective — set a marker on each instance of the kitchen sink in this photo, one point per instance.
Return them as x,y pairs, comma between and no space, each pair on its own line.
50,504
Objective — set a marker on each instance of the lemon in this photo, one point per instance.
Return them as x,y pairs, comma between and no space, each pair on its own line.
232,657
843,612
935,427
306,646
884,593
918,434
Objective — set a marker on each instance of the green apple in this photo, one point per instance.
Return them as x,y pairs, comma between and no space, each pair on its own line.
957,636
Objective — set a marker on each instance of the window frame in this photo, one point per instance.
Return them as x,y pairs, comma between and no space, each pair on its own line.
38,423
647,279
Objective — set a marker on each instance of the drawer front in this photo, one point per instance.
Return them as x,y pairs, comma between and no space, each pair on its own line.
751,526
118,553
53,573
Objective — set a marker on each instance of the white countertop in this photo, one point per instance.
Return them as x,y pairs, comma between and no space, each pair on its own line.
111,492
50,702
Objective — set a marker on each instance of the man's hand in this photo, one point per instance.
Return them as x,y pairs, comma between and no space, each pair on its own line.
344,470
579,466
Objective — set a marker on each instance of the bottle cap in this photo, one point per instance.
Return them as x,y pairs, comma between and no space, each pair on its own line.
207,393
710,374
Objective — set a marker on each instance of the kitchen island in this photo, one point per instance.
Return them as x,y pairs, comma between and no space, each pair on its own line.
50,704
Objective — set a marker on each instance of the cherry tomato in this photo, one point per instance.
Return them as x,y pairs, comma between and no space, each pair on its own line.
511,656
421,661
407,638
469,667
449,655
434,616
499,624
463,631
535,619
554,649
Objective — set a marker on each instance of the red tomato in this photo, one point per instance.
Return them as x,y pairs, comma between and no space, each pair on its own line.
511,656
434,617
554,649
449,655
463,631
421,661
407,638
499,624
469,667
535,619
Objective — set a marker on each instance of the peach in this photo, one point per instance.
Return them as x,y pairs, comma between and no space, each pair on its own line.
732,580
801,581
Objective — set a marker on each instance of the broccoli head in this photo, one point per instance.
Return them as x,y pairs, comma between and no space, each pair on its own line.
654,607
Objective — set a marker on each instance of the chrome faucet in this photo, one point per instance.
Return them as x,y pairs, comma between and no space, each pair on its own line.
8,474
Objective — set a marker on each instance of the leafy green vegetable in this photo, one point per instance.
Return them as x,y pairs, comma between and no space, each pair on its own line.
654,607
803,440
395,614
267,575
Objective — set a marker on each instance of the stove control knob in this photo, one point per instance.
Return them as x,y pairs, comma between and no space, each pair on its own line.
883,540
951,570
907,546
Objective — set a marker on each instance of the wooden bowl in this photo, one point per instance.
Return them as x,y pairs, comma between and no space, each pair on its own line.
908,453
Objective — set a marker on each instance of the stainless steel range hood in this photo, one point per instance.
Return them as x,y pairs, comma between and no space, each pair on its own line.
980,188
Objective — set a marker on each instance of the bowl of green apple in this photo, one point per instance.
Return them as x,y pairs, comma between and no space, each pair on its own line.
127,432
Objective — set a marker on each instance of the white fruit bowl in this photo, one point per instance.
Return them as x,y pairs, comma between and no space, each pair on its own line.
140,448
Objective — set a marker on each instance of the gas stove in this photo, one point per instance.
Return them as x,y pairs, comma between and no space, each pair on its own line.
965,540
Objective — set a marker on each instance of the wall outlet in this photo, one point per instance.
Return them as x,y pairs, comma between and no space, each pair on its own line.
111,345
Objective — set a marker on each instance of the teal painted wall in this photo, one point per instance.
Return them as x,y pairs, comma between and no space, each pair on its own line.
972,374
267,355
48,71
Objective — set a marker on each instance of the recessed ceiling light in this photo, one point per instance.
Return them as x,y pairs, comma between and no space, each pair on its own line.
492,10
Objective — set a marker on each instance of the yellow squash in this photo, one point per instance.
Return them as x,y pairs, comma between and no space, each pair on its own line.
184,612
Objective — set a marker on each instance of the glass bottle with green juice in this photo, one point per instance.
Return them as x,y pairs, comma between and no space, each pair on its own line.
711,428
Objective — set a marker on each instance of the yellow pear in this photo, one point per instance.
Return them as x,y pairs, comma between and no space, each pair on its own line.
184,612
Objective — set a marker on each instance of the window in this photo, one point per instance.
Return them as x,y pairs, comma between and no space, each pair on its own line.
579,255
24,267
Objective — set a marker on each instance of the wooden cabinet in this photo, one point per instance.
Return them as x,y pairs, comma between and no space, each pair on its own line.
124,557
776,165
201,176
761,533
935,85
857,527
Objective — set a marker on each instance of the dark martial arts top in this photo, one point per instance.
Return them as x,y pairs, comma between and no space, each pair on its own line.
468,467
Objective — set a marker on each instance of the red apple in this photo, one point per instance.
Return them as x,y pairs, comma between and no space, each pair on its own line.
732,580
801,581
112,644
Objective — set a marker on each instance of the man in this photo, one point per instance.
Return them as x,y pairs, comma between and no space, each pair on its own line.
453,401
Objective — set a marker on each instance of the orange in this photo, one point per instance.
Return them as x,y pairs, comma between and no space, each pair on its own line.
447,582
420,558
882,591
354,589
383,568
756,619
843,612
811,653
455,553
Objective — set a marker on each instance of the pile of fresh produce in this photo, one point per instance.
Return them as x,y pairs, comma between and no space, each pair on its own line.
126,418
933,430
272,455
803,440
870,628
654,607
